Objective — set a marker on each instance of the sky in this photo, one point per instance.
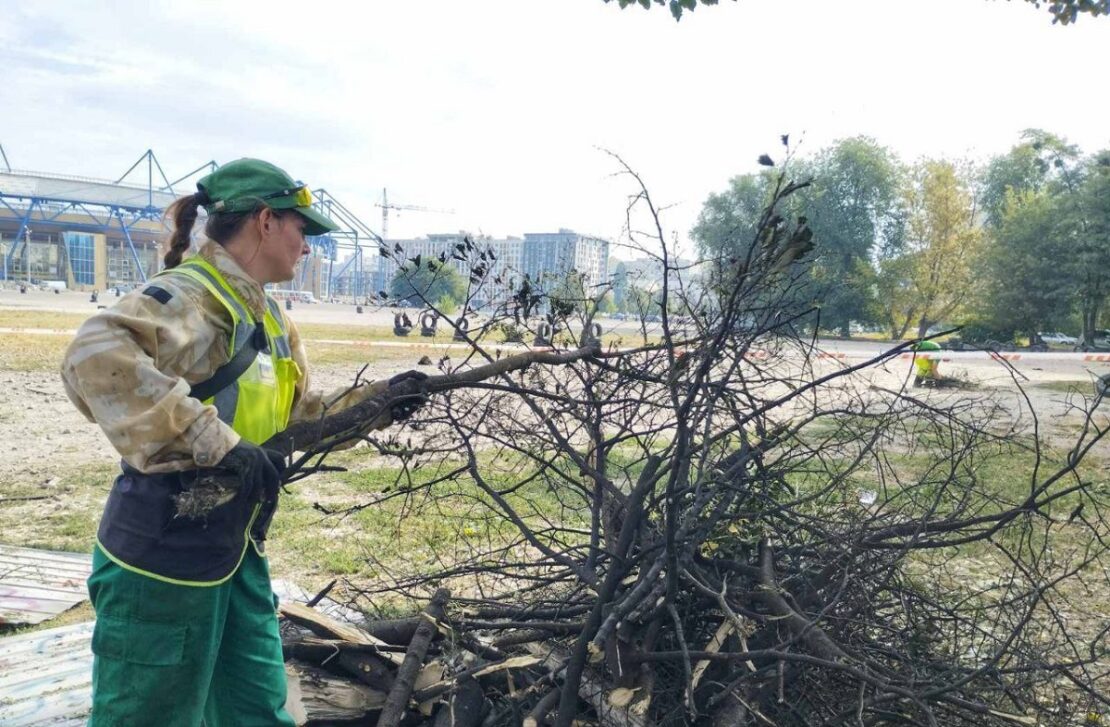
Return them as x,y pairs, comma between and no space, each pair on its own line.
511,114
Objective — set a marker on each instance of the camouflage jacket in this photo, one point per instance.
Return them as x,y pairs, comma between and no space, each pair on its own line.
130,367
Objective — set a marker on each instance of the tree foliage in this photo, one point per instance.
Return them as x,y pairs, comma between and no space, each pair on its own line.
1087,221
1018,247
1063,11
1026,288
853,207
427,280
942,240
731,216
855,210
1032,165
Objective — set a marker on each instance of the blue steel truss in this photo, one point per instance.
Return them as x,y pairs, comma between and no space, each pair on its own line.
48,211
103,216
352,232
86,215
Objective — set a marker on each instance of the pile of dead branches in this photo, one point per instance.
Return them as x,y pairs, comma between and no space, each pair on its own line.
717,525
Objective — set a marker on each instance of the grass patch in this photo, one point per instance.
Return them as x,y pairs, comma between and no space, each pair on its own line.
67,519
332,354
1068,387
19,318
32,351
405,532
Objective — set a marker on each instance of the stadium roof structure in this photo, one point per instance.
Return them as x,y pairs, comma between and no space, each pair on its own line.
85,204
125,205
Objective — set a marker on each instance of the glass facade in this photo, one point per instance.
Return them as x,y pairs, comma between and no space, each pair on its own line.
82,256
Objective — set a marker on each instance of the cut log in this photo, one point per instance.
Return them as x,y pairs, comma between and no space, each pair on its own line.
593,690
367,668
398,631
398,699
324,696
329,628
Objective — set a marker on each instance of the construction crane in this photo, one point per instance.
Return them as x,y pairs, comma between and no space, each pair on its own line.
386,207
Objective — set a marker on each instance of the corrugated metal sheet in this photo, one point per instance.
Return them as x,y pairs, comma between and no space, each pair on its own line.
36,585
46,677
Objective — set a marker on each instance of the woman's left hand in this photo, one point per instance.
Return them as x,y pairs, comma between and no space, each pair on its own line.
408,406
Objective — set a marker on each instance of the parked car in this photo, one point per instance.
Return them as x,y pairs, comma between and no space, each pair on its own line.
1100,341
1060,339
958,343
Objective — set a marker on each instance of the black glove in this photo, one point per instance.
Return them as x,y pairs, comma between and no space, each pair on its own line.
408,406
406,375
259,469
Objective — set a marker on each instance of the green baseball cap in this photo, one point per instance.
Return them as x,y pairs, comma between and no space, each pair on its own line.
240,185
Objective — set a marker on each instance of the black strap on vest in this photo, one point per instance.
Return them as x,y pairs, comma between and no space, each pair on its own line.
230,372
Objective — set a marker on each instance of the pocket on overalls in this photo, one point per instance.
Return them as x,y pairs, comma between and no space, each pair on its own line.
137,642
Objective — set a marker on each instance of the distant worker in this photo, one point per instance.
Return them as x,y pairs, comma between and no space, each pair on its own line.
926,366
195,371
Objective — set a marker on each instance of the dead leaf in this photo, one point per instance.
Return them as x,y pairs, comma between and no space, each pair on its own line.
621,696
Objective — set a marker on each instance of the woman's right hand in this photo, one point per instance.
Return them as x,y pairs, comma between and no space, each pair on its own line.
259,470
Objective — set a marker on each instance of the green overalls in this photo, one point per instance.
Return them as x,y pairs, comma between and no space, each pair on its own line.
186,632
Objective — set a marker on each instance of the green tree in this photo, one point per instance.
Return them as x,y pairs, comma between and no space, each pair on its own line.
429,280
1026,288
1087,220
942,248
1063,11
896,302
854,210
568,296
447,305
1036,163
641,303
727,222
620,285
856,214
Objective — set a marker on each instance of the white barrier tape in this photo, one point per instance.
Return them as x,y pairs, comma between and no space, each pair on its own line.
752,355
973,355
952,355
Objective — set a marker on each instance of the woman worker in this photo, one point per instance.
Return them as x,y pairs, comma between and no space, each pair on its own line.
192,372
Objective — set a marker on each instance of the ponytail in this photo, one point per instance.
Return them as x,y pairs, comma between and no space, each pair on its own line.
184,214
221,226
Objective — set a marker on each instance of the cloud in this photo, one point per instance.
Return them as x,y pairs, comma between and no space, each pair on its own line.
496,109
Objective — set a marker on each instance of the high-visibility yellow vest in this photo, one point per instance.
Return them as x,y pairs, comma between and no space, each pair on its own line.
258,404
